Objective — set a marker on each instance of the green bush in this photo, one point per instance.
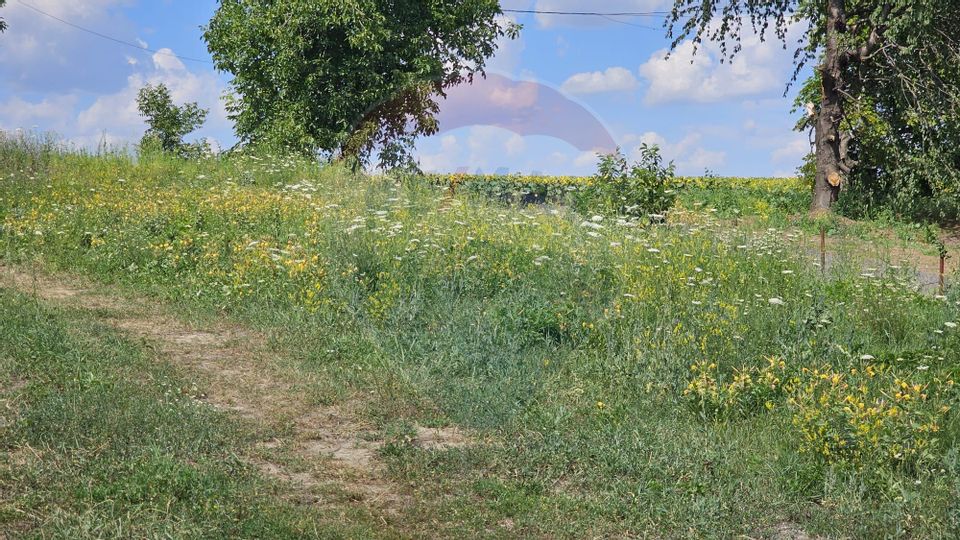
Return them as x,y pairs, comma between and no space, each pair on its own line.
641,190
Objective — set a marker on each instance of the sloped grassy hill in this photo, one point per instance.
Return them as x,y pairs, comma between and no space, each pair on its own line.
671,380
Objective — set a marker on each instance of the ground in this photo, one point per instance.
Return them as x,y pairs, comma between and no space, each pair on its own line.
263,348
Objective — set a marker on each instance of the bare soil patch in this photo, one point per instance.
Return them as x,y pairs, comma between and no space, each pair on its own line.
441,438
318,447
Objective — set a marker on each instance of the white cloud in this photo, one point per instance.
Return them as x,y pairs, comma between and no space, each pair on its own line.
586,159
113,117
563,46
793,151
165,60
47,114
442,161
514,145
485,144
506,59
41,54
696,74
687,153
614,79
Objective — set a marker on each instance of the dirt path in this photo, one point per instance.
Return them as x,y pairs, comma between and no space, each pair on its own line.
324,453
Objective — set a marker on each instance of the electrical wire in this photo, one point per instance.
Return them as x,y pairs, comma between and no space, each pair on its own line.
591,13
111,38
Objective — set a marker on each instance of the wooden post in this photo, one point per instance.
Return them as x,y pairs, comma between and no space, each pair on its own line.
943,283
823,249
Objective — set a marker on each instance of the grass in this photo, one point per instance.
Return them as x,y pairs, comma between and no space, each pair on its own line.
100,440
686,380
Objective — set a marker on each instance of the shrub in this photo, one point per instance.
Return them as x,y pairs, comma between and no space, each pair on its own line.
641,190
743,392
872,414
168,123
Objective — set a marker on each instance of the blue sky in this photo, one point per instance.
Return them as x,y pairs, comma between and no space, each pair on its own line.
731,119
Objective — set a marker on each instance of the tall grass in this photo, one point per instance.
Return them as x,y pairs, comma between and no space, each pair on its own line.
673,380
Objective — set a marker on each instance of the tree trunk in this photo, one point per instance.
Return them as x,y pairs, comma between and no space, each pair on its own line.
830,171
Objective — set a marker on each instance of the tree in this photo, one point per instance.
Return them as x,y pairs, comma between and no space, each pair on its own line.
3,23
863,48
168,123
907,150
347,76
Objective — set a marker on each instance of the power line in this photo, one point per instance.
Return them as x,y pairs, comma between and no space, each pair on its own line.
111,38
645,27
591,13
604,15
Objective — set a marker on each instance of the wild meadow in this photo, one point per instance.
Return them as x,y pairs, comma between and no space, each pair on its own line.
695,376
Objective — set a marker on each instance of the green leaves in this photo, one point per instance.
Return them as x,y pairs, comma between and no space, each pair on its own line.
642,190
345,77
895,70
168,123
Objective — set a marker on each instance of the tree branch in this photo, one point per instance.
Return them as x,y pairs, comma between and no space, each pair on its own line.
864,52
846,163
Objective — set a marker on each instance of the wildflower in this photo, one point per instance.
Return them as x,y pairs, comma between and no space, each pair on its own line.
950,324
601,405
866,357
777,301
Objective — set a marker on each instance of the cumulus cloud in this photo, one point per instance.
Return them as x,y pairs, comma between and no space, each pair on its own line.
113,117
48,113
688,153
166,60
586,159
696,74
614,79
507,58
444,160
792,151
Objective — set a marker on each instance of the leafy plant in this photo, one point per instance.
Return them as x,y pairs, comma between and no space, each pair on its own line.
345,78
933,237
168,123
644,189
857,77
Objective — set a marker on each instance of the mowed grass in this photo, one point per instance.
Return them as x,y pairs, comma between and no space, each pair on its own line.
684,380
101,440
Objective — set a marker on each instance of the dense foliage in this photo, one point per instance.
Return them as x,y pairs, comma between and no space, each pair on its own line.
3,23
168,123
728,197
884,101
347,76
641,190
